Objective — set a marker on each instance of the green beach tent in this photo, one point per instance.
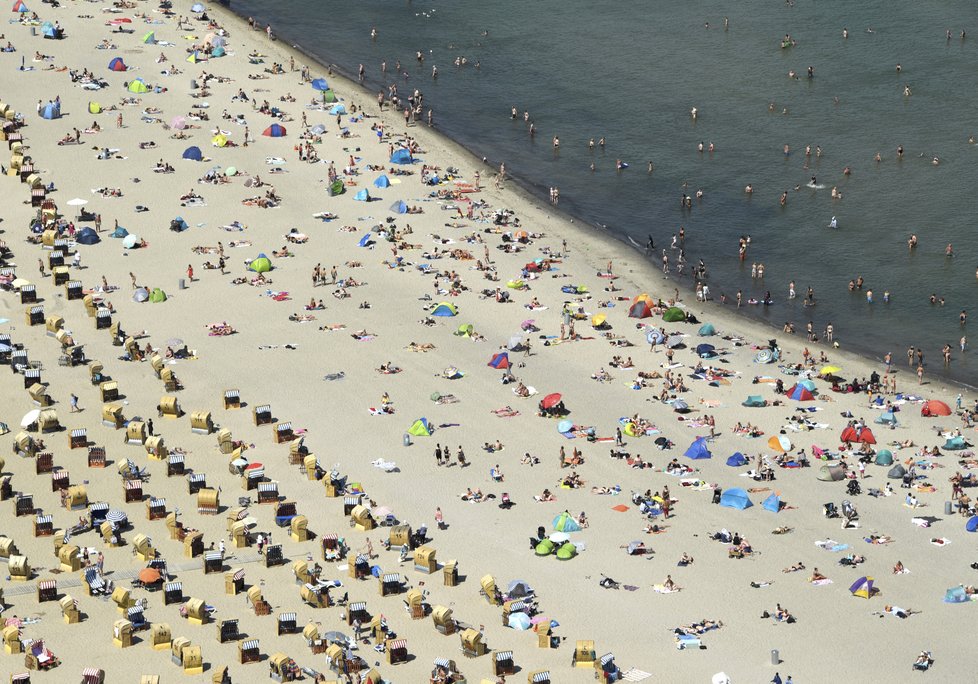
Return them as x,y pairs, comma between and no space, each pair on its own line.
421,428
262,264
150,38
336,188
138,86
544,548
94,108
465,330
674,315
158,296
566,551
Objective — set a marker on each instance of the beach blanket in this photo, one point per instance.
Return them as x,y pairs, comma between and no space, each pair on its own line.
634,675
661,589
940,541
822,582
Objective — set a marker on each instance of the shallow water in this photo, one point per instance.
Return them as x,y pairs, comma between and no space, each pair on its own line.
631,72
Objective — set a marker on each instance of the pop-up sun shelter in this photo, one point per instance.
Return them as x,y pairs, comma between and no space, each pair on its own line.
737,460
956,595
420,428
674,315
706,330
565,523
362,196
972,524
935,407
150,38
698,450
260,264
884,457
896,472
87,236
832,473
399,207
444,309
117,64
382,182
401,156
735,498
500,361
863,588
800,393
274,131
754,401
193,153
137,85
52,110
772,503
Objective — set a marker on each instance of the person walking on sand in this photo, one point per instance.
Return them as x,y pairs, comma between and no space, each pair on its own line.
118,121
190,272
73,401
439,518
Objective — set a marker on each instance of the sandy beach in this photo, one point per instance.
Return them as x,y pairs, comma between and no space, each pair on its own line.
353,377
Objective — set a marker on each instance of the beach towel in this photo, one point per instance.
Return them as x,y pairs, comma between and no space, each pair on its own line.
661,589
940,541
621,508
822,582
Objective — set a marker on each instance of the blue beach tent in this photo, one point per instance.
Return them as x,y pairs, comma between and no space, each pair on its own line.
52,110
735,498
399,207
972,524
401,156
87,236
772,503
737,460
382,182
193,153
362,196
698,450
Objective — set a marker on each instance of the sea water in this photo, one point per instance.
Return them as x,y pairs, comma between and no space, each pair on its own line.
632,71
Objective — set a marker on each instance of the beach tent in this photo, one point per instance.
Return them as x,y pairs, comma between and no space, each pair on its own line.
420,428
94,108
362,196
382,181
599,321
119,232
935,407
735,498
862,587
140,295
698,449
444,309
807,384
674,315
178,225
87,236
52,110
195,57
499,360
644,297
219,140
337,109
754,401
972,524
399,207
193,153
565,523
218,51
274,131
117,64
336,188
260,264
329,96
465,330
131,241
800,393
780,443
640,309
320,84
884,457
772,503
544,548
706,351
886,418
518,589
831,473
956,595
566,551
366,241
896,472
20,7
150,38
401,156
138,86
955,444
157,296
706,330
48,30
737,460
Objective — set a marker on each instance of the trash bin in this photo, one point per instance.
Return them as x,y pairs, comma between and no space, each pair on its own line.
182,284
407,439
775,657
193,84
948,508
33,30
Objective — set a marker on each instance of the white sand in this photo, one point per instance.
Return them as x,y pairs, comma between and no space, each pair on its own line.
636,625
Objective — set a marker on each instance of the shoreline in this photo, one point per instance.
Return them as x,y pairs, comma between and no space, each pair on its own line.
329,379
534,193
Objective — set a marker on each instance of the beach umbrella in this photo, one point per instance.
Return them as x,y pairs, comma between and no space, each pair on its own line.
19,282
565,426
174,342
197,8
780,443
218,42
829,370
674,341
116,516
30,418
230,171
519,621
254,466
178,122
150,576
680,406
633,546
528,324
654,336
550,400
274,131
559,537
320,84
219,140
334,637
77,202
130,241
318,129
935,407
140,295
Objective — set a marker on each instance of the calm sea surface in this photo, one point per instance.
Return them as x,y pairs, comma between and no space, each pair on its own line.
631,72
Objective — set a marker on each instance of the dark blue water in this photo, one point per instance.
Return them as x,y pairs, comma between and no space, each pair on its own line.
632,71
